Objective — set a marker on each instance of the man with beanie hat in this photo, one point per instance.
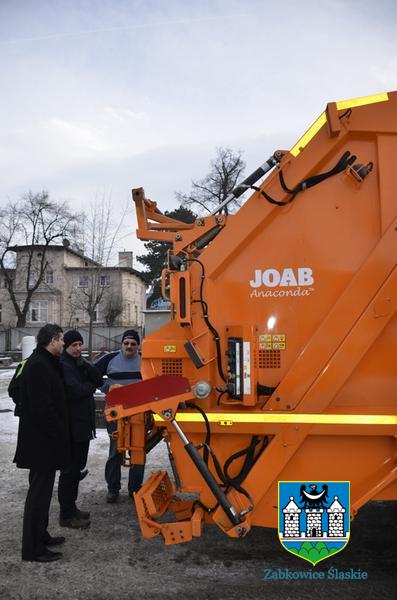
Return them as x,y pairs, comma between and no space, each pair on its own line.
81,381
122,367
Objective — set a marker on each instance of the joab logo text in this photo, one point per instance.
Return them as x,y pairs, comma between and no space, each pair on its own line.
314,518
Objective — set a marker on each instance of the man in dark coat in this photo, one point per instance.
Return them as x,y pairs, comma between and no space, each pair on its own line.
81,381
43,444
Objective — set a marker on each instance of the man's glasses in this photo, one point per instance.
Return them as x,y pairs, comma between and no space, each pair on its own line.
130,344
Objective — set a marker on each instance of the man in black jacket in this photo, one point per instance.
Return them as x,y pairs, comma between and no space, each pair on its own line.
81,380
43,444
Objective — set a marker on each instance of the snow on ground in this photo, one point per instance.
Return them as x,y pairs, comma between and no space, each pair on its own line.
6,374
112,560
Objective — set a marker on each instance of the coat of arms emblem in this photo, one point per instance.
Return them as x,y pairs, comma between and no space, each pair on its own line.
314,518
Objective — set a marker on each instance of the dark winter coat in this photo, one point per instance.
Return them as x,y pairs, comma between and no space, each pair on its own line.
43,434
81,381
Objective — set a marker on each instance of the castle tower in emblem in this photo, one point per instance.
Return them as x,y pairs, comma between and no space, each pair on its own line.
291,519
313,522
335,519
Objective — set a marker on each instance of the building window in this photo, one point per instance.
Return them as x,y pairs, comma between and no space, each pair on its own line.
49,277
104,281
33,276
83,281
96,316
38,312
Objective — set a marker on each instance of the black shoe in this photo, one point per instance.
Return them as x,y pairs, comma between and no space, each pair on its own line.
74,523
55,541
112,498
82,514
83,474
46,557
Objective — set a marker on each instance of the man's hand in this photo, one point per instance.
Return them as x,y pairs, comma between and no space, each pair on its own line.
82,362
91,372
114,386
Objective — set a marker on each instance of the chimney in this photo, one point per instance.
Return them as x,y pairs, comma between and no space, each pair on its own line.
125,259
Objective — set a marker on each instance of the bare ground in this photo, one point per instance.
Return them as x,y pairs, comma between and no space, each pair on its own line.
112,560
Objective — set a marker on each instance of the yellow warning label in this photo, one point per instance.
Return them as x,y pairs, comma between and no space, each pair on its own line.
169,348
279,337
276,341
265,337
265,346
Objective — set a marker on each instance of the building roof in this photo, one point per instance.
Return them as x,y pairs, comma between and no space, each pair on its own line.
291,507
93,264
336,506
110,268
18,247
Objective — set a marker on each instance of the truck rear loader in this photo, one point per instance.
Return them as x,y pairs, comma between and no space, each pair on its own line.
279,362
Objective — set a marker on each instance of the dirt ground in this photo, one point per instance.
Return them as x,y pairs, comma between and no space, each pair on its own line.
112,560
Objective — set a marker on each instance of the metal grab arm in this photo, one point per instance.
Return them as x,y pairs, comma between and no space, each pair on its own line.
210,480
246,184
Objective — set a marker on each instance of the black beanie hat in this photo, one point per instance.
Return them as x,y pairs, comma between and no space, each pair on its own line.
130,333
72,336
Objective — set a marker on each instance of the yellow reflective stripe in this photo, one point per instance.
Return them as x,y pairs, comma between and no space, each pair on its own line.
343,104
322,119
221,418
310,133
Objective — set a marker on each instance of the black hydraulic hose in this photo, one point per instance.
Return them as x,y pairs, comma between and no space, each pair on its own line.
207,428
345,161
253,178
211,328
229,482
223,475
208,477
219,494
249,181
250,460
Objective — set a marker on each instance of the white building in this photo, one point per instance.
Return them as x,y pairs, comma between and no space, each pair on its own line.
68,278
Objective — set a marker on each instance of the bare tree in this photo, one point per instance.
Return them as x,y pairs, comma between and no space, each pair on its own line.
34,222
112,309
154,259
225,173
97,242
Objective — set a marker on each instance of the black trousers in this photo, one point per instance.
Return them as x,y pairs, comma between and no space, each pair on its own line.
113,467
68,487
35,517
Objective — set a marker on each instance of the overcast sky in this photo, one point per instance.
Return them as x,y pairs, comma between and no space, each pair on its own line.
100,96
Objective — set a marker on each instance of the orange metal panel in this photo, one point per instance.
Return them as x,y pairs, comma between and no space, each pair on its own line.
310,287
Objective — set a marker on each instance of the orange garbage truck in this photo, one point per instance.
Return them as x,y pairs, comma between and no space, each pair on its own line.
279,362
